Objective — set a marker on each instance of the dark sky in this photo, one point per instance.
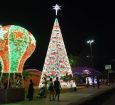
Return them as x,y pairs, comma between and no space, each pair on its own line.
79,21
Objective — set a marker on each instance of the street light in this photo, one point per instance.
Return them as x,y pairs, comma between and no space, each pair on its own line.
90,43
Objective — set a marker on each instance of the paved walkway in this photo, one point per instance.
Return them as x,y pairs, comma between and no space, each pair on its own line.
68,98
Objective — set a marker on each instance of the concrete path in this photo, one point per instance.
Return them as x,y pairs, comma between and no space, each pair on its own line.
68,98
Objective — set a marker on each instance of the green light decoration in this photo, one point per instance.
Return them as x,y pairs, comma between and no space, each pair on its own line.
16,45
56,61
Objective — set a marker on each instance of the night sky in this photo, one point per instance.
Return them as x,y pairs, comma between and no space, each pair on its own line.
79,21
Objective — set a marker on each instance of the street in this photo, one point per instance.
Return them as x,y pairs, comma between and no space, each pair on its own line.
110,100
107,98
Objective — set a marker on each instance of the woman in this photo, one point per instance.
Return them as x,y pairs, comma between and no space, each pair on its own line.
30,91
51,90
45,87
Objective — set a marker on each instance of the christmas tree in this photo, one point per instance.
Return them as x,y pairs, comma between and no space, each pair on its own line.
57,62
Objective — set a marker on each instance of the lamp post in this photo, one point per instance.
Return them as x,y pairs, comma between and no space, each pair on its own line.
90,43
91,57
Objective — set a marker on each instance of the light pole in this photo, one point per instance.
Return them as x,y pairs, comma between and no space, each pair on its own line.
90,43
91,57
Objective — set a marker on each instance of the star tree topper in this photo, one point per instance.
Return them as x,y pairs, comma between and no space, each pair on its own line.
56,8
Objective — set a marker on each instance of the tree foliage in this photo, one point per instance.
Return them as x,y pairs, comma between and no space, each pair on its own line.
67,77
74,60
25,74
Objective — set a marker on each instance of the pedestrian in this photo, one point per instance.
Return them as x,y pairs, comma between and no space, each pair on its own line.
98,84
30,91
93,79
45,87
57,88
41,92
51,90
87,81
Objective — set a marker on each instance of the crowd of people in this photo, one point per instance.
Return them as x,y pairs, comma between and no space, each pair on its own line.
49,89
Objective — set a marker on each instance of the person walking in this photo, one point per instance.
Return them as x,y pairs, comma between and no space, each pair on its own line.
51,90
45,87
30,91
87,82
57,88
98,82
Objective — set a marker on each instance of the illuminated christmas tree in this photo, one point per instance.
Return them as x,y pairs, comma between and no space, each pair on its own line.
56,62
